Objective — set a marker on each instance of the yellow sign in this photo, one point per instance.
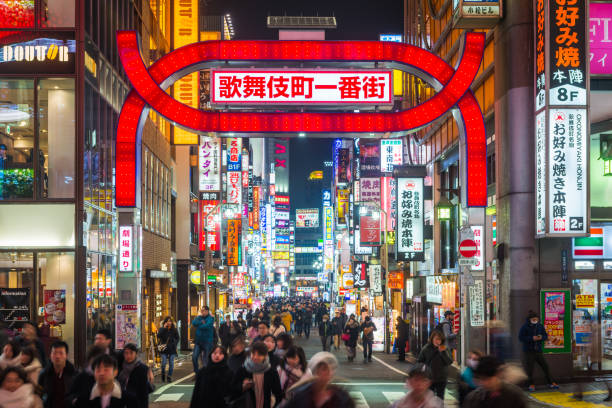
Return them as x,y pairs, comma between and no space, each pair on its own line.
585,301
195,277
316,175
186,89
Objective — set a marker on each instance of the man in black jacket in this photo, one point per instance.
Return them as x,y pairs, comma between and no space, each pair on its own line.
135,377
84,381
493,392
105,387
402,337
224,333
56,378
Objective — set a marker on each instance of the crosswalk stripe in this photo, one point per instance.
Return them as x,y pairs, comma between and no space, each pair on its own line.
360,401
393,396
163,388
169,397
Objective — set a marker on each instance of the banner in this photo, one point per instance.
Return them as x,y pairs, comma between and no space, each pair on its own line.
477,313
307,218
369,189
14,304
376,279
360,275
234,151
342,204
555,315
234,187
344,164
209,225
410,220
369,158
233,242
209,164
256,191
395,280
369,230
126,248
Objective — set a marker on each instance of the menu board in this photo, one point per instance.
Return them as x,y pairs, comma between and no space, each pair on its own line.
14,304
555,312
55,306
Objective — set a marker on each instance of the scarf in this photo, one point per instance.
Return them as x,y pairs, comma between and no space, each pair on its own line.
22,397
126,370
258,388
257,368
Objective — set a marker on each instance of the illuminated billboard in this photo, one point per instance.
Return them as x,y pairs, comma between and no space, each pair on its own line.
307,218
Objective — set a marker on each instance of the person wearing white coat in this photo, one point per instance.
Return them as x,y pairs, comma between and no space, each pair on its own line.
16,391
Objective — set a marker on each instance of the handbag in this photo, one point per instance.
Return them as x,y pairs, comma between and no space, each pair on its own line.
162,347
346,337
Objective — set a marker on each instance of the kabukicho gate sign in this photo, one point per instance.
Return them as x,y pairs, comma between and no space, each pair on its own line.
452,86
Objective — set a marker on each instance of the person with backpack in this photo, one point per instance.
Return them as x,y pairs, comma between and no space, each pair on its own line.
435,356
368,328
446,327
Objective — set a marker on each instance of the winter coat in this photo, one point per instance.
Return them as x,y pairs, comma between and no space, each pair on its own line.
170,337
224,334
289,376
325,329
81,386
22,397
47,382
403,331
137,387
338,323
36,344
9,362
212,386
287,319
274,359
275,331
509,396
430,401
526,336
235,361
303,397
353,331
370,335
204,329
271,387
119,399
437,361
307,317
33,370
446,326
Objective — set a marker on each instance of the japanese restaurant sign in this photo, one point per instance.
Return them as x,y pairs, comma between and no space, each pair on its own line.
369,189
391,154
301,87
234,149
234,187
410,239
360,275
376,279
600,30
126,248
209,164
555,316
209,225
233,242
369,230
395,280
561,117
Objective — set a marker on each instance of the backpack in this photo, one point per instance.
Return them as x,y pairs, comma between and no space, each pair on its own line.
440,326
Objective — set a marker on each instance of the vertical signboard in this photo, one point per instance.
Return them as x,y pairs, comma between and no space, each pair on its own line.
343,165
600,29
391,154
477,315
209,164
256,191
234,150
234,187
328,239
555,314
281,165
369,189
233,242
561,117
376,279
478,231
410,220
369,158
360,275
342,205
209,225
369,230
126,248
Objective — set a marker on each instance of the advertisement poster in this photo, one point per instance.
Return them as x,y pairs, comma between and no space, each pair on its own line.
126,325
360,275
209,164
14,304
233,240
477,317
555,315
55,306
379,334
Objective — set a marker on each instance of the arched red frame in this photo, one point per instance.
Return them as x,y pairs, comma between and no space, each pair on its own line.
149,83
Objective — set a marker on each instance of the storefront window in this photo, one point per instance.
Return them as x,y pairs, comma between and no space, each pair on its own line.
100,294
584,317
16,139
16,284
56,138
17,13
606,325
58,13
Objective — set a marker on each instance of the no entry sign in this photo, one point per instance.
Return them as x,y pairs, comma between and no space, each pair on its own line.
467,248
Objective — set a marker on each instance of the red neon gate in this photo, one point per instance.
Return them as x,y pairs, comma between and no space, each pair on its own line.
453,87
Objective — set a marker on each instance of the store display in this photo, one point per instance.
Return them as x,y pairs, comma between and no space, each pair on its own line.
55,306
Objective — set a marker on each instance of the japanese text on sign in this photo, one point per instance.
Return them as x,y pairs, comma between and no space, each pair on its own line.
234,149
600,30
233,242
477,317
209,225
391,154
541,172
360,275
410,218
376,284
369,189
478,231
126,248
234,187
309,87
540,54
209,164
554,319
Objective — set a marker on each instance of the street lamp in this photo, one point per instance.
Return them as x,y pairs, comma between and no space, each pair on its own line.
444,208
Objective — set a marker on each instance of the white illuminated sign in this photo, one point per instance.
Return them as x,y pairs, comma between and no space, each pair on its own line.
126,250
301,87
478,236
410,217
307,218
390,154
391,37
540,173
234,187
209,164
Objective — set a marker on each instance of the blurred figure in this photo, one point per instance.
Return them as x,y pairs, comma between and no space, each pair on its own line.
106,391
10,355
466,383
277,326
420,394
167,340
351,333
533,335
287,319
307,322
500,340
446,327
368,328
135,377
16,391
104,339
252,331
493,392
212,382
56,378
29,338
30,364
292,368
338,323
325,332
435,356
283,342
236,359
317,390
224,332
403,332
84,381
270,343
262,331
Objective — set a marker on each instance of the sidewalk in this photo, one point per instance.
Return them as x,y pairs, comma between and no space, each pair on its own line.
593,396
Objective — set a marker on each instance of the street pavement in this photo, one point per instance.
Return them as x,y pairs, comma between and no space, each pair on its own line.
372,385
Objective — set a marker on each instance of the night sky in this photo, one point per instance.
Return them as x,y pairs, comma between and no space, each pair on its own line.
356,19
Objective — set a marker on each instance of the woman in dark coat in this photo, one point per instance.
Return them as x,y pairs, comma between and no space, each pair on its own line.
352,329
134,377
256,379
212,384
238,355
435,356
167,336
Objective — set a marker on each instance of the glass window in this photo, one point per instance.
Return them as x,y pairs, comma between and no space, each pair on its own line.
584,317
145,204
16,139
16,13
56,138
17,272
58,13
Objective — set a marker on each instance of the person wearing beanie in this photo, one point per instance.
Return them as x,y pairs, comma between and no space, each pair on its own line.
533,335
493,391
420,394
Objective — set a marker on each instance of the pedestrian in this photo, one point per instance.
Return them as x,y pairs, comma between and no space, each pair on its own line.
241,323
493,392
225,332
236,359
446,327
31,365
299,321
283,342
29,337
204,337
368,328
277,326
287,320
16,391
255,383
533,335
236,330
318,390
467,382
213,381
420,394
10,355
252,331
106,391
270,343
325,332
403,331
104,339
56,378
307,322
435,356
135,377
338,324
292,368
350,335
262,331
167,340
84,381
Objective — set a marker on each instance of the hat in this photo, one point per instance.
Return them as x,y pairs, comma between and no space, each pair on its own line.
322,357
487,367
448,312
531,314
419,370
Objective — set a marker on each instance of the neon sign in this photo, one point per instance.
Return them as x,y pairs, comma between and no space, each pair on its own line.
453,88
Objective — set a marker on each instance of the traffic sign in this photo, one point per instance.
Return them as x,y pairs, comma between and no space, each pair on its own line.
467,248
467,261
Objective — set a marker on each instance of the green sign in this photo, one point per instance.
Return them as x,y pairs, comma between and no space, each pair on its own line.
555,307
